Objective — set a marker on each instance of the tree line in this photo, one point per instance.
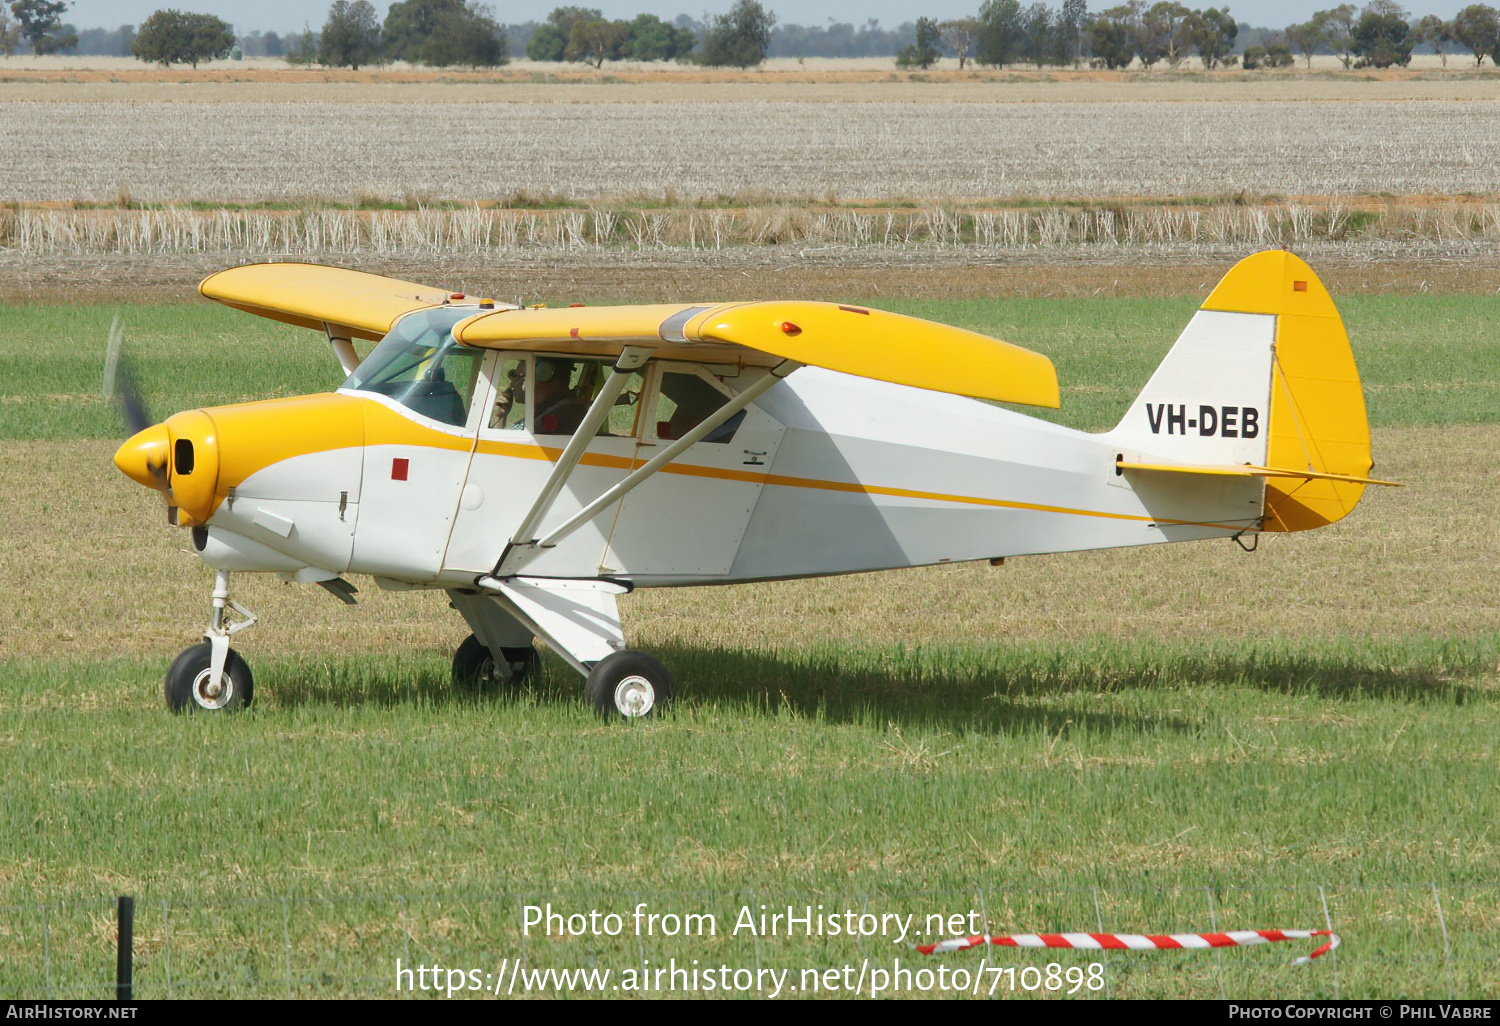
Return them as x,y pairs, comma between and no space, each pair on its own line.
1002,32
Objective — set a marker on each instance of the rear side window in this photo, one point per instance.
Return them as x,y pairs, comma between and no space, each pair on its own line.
686,400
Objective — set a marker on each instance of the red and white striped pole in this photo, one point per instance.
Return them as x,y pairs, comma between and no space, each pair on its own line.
1137,941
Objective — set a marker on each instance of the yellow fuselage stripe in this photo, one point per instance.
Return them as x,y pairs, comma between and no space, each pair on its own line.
537,452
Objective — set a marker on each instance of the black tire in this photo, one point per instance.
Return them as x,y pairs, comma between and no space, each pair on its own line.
187,682
628,685
474,665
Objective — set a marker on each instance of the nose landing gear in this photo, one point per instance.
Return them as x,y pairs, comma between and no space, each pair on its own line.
210,675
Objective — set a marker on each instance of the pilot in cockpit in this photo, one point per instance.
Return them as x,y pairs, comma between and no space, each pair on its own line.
558,408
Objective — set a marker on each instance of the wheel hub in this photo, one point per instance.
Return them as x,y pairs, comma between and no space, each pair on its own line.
212,694
634,696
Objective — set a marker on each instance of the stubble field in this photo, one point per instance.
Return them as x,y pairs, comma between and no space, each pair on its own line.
238,152
1181,738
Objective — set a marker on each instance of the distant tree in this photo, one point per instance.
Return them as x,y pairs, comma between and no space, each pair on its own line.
1071,20
652,39
550,40
547,43
10,35
443,33
594,42
1253,58
924,52
739,38
1164,32
1213,33
1307,37
1338,32
1112,37
1477,27
350,36
1000,34
961,35
1382,36
176,37
1279,55
1436,33
1040,40
40,23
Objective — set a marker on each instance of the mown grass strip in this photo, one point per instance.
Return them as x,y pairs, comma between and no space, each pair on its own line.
1424,359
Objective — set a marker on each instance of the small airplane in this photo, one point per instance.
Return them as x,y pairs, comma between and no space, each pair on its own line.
537,463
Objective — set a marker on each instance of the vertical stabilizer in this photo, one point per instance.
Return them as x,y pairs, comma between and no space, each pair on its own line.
1263,375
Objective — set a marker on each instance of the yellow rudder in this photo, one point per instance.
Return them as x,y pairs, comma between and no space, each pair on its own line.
1317,418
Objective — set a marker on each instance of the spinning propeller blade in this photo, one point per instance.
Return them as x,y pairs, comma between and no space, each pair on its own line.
120,384
119,380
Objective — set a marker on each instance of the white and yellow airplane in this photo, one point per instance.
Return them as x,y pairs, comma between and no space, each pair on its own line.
537,463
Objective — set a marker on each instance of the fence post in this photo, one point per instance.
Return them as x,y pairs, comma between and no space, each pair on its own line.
125,919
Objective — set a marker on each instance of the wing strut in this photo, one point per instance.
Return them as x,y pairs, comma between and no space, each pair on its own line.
518,554
343,348
630,360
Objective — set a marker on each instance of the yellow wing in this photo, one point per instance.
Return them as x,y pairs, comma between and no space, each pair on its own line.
851,339
352,304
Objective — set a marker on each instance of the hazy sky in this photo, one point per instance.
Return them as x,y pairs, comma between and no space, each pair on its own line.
283,15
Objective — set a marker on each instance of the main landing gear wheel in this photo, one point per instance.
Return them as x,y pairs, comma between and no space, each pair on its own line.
628,684
474,665
189,689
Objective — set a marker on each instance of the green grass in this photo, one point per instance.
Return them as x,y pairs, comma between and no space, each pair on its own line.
1424,359
887,779
1055,780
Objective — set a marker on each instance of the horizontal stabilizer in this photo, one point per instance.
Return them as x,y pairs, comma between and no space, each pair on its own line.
1247,470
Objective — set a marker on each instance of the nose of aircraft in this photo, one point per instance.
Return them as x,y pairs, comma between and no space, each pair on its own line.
144,456
179,457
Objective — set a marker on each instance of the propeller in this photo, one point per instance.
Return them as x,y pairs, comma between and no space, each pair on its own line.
120,384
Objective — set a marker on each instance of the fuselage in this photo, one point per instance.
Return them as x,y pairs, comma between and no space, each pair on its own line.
826,473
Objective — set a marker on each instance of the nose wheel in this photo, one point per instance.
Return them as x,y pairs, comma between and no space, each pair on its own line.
192,686
211,676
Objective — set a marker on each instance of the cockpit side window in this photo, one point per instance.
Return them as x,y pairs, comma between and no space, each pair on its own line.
565,387
421,367
509,410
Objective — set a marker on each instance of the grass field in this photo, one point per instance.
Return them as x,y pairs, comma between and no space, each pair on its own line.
1162,740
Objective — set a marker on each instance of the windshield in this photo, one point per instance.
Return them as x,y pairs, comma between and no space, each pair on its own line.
420,366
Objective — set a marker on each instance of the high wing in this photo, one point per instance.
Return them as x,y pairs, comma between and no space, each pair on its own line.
851,339
855,340
344,303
